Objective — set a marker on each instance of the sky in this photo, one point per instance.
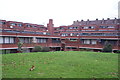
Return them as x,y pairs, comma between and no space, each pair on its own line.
63,12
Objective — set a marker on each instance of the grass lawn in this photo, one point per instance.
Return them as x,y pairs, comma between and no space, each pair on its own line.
69,64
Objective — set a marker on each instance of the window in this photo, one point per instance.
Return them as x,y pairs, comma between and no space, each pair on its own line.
34,26
85,27
41,40
93,42
56,40
73,39
11,40
92,27
44,33
13,24
25,40
20,25
8,40
103,26
70,27
111,27
61,28
28,25
75,27
21,40
1,40
64,34
71,34
39,32
2,23
85,34
86,41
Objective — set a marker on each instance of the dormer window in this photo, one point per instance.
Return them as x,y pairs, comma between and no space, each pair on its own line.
20,25
3,23
70,27
75,27
92,27
34,26
13,24
111,27
86,27
103,26
28,25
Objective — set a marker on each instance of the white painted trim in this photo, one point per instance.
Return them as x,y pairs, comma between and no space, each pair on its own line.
102,38
111,38
8,48
7,35
95,48
14,48
90,48
39,36
53,46
30,36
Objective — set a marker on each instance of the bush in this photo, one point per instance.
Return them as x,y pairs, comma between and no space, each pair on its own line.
45,49
118,51
86,49
82,49
37,49
107,47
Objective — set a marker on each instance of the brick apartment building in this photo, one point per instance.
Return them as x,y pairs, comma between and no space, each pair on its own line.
80,35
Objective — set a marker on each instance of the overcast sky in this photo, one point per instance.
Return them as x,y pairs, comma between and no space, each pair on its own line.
63,12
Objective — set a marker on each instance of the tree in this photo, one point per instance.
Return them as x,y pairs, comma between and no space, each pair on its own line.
107,47
20,44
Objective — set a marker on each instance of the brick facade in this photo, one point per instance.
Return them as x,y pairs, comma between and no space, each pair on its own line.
90,34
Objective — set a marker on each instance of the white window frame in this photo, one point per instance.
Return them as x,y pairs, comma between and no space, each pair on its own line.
93,42
86,41
1,40
6,40
11,40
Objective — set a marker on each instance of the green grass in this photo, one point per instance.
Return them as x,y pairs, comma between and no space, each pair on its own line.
0,66
69,64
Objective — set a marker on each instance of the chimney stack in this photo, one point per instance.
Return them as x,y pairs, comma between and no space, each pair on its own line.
50,26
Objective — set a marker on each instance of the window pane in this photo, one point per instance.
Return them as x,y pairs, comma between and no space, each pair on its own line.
6,39
22,40
11,40
86,41
93,42
1,39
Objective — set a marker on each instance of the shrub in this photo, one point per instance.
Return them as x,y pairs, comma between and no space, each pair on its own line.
37,49
4,51
86,49
118,51
82,50
45,49
107,47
